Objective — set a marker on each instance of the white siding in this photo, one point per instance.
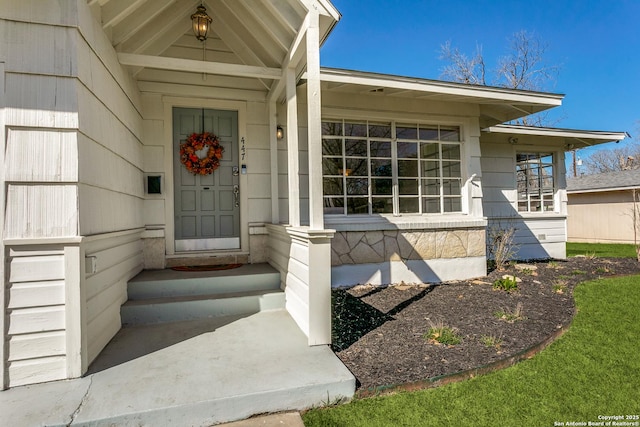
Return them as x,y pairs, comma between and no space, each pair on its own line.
118,258
291,260
538,235
35,211
304,262
74,165
35,315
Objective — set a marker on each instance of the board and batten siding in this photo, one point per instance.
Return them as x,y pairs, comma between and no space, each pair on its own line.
73,168
538,235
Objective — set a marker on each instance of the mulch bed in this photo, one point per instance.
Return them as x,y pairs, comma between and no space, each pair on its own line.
379,332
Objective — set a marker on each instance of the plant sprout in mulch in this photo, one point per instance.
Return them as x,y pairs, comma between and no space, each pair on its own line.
439,333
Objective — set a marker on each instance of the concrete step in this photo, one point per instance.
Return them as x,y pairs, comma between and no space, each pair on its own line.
191,307
169,283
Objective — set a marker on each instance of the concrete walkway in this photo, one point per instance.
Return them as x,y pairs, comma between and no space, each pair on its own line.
195,373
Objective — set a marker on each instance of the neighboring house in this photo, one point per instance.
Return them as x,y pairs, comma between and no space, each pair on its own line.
378,178
601,207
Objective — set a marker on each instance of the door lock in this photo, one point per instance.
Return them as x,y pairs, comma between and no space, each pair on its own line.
236,195
235,171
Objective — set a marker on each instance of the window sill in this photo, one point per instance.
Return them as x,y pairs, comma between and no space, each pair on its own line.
407,222
539,215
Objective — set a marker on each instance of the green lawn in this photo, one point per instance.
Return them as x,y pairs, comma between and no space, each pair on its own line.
594,369
601,250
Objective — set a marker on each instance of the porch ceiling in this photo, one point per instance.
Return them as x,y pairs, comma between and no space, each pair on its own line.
254,36
497,105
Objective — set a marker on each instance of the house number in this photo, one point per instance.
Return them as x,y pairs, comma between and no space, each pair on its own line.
243,149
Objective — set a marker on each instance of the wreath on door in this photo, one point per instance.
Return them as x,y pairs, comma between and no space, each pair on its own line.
197,142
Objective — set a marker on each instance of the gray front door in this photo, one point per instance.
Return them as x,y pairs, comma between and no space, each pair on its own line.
207,212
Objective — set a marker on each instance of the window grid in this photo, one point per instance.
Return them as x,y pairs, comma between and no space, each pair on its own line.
398,171
535,182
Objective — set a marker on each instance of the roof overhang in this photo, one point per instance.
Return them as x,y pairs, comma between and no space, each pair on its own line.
570,138
497,105
603,190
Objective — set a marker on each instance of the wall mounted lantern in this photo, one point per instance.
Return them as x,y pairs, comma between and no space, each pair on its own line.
279,132
201,23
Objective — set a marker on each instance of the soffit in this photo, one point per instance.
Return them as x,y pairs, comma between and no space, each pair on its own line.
569,138
497,105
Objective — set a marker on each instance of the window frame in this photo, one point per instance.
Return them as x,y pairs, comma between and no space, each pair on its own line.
450,200
541,196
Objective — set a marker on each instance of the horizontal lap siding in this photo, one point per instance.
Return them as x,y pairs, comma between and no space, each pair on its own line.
291,259
118,258
538,235
73,168
36,315
536,238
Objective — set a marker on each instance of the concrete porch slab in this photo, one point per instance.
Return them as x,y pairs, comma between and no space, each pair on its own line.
195,373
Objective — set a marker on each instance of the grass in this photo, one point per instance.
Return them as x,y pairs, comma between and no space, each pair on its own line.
601,250
590,371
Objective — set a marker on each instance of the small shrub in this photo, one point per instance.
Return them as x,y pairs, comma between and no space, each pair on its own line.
511,316
441,334
603,270
507,283
491,341
560,286
502,246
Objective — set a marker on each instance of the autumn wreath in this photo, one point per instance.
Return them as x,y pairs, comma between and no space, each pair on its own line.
189,153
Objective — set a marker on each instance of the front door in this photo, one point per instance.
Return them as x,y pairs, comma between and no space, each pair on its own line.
207,212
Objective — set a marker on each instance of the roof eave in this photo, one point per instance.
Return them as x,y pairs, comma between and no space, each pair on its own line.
486,93
579,138
602,190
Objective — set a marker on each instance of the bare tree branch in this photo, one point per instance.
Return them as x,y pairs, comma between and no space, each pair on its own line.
616,159
523,67
462,69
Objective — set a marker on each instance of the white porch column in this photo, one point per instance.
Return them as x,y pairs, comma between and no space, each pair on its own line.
314,106
273,151
293,163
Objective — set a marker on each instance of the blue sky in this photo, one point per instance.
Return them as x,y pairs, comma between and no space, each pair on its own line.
596,43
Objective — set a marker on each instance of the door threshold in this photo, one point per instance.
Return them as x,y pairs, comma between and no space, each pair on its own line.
224,252
182,259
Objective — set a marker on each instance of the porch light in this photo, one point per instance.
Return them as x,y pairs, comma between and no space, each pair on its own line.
279,132
201,22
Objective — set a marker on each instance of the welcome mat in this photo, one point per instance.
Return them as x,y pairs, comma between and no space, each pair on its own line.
206,267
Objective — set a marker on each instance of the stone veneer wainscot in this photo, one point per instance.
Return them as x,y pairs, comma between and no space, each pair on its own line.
365,247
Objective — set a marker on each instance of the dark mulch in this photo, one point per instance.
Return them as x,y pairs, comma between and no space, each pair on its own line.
379,331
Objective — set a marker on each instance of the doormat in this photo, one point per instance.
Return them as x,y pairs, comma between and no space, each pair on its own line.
206,267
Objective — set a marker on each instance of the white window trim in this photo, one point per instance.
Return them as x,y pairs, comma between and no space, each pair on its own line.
554,197
464,181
